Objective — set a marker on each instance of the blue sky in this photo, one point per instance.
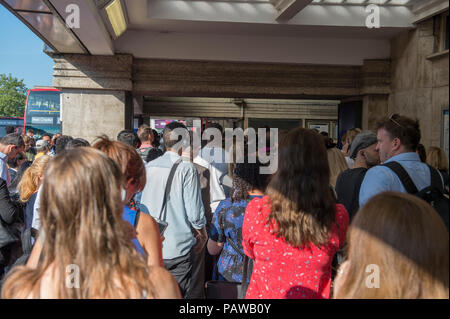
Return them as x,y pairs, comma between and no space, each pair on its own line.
21,52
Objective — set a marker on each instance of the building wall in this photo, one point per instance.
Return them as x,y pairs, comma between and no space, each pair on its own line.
420,80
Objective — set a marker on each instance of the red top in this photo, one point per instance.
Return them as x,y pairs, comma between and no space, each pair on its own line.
281,270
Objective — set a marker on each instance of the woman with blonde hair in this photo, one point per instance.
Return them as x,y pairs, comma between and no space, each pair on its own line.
437,159
29,185
81,215
293,232
337,163
405,243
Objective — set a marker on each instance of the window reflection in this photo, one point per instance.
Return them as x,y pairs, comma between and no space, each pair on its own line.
35,5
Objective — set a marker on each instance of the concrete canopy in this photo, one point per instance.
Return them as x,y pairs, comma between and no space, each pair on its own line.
278,31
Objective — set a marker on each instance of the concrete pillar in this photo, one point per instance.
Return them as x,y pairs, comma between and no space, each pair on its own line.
96,96
374,108
375,90
91,113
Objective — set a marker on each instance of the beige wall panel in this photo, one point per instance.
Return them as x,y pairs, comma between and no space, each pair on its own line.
96,113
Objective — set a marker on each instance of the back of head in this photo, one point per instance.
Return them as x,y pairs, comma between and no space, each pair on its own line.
351,134
125,156
219,128
362,141
77,142
329,143
81,213
145,133
436,158
299,190
28,141
129,137
61,143
12,139
247,177
174,133
406,240
42,146
31,180
405,129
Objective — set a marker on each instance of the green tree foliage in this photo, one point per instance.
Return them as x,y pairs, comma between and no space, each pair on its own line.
13,94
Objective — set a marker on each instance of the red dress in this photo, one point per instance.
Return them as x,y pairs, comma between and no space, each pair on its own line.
282,271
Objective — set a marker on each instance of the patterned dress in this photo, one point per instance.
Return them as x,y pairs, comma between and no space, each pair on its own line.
227,223
282,271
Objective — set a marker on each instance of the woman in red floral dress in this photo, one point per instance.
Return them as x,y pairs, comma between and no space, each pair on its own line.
294,232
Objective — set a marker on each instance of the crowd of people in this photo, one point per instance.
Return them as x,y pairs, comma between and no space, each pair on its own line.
137,217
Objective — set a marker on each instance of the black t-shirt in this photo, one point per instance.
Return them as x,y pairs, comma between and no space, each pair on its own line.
348,185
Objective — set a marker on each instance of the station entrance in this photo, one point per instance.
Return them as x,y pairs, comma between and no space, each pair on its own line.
283,114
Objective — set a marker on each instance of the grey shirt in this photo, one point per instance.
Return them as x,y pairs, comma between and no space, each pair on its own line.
184,207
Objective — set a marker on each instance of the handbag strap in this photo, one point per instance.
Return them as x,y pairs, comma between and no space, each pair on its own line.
169,185
229,239
245,272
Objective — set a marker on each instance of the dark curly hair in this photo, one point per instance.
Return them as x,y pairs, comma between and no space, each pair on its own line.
246,176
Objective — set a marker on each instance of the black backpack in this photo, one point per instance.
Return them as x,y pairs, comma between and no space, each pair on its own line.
433,194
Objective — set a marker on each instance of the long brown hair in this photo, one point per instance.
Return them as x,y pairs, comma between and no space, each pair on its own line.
81,212
303,209
30,182
407,240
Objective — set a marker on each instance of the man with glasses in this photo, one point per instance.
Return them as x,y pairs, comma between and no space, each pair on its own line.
397,141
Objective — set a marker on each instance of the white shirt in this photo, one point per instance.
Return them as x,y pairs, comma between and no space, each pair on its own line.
216,191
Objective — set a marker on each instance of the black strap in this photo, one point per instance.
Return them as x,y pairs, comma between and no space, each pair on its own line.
436,180
235,247
221,217
136,219
245,272
403,176
169,185
244,256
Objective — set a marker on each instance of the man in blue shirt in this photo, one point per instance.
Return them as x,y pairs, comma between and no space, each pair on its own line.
184,211
398,137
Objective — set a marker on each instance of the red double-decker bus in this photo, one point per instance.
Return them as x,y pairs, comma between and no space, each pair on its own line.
42,111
